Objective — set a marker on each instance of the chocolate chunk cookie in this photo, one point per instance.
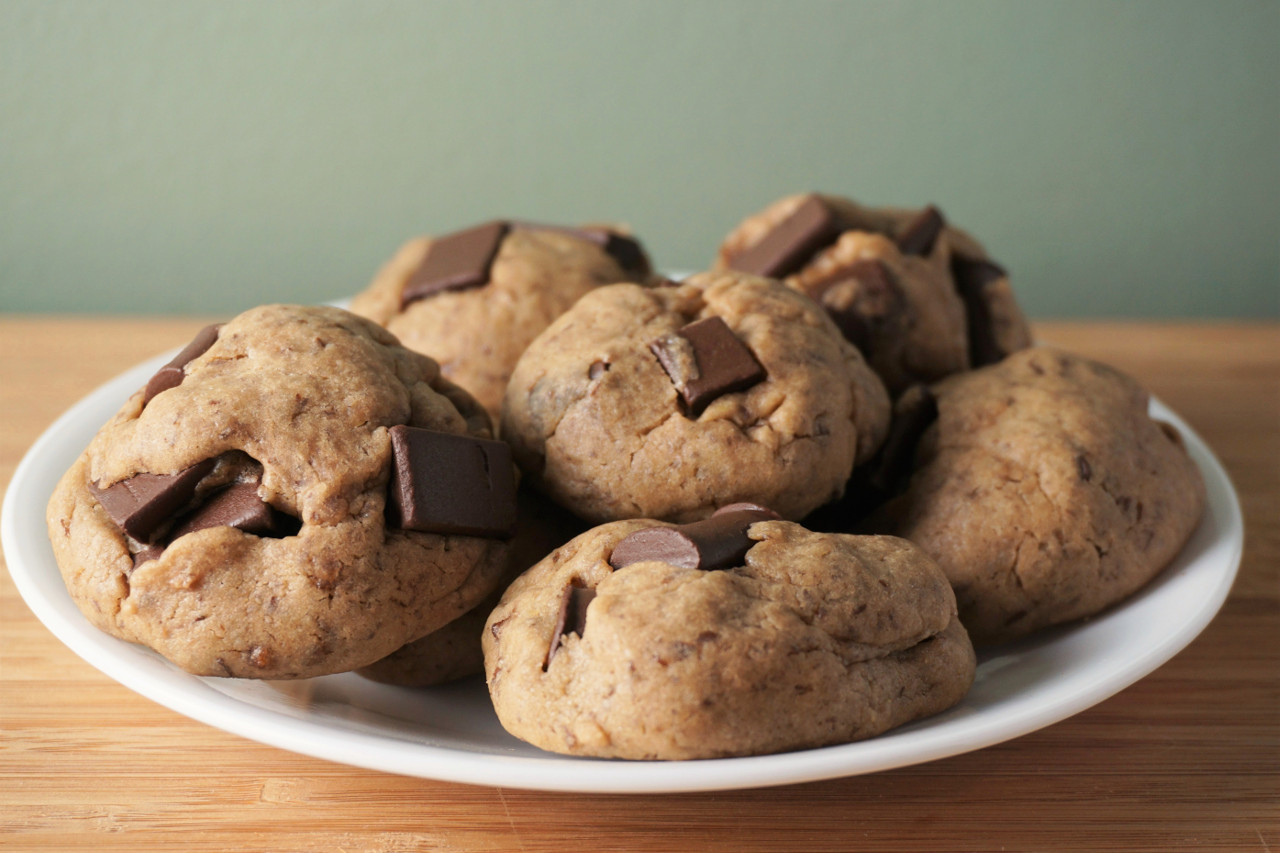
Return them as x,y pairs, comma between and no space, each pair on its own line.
736,635
294,495
918,296
1046,492
474,300
667,402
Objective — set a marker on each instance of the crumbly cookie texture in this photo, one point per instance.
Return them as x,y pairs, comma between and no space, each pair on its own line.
299,401
1046,492
596,420
477,333
454,652
917,295
815,639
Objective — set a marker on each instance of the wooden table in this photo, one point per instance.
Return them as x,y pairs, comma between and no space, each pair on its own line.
1187,759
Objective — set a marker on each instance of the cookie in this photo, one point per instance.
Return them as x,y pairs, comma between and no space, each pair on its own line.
1046,492
737,635
474,300
453,652
295,494
667,402
918,296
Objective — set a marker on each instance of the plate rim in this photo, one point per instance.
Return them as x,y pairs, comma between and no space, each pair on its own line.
196,698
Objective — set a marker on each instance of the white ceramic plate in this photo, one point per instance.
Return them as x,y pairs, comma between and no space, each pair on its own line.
451,733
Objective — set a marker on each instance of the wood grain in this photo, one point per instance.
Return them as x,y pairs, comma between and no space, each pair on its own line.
1187,759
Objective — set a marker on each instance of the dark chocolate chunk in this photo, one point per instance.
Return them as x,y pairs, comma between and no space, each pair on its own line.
784,250
451,484
706,360
238,506
575,620
718,542
147,554
140,504
919,235
623,249
572,618
172,374
972,279
455,262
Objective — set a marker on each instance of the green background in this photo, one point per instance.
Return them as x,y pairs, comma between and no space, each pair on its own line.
1121,159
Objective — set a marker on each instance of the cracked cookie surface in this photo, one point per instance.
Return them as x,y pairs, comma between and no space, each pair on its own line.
815,639
294,405
1046,492
477,334
597,421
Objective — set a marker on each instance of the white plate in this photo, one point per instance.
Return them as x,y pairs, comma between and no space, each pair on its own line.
451,733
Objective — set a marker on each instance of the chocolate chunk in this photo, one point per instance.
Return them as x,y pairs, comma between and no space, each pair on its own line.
147,554
706,360
877,299
575,621
451,484
623,249
811,227
972,279
919,235
238,506
142,503
455,262
719,542
172,374
572,618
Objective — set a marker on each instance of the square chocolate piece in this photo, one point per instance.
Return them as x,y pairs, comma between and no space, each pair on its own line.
973,279
921,233
238,506
142,503
172,374
451,484
456,262
706,360
790,245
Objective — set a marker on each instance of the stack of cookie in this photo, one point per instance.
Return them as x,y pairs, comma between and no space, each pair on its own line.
769,507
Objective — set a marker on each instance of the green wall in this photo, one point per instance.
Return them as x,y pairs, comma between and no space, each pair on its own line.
1121,159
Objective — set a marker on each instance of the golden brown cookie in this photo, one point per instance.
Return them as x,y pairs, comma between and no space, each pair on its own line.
667,402
473,300
1046,492
265,507
736,635
918,296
